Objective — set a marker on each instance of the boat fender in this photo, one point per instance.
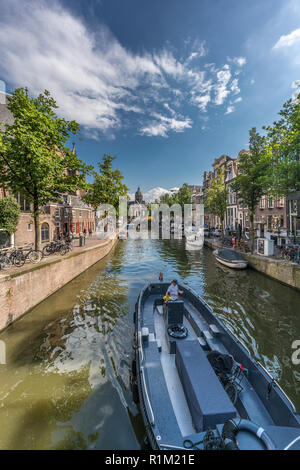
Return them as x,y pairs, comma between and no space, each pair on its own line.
177,331
232,427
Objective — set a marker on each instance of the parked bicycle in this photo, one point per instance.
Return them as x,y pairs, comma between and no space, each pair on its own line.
290,253
58,246
19,256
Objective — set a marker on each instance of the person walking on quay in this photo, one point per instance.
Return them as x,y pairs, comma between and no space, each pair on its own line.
90,232
233,241
84,232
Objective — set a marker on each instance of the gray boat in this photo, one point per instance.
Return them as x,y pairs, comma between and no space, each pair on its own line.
230,258
197,384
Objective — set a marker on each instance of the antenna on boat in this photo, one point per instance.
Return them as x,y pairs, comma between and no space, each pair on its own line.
161,277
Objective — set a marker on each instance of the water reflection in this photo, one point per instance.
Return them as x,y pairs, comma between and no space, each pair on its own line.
66,384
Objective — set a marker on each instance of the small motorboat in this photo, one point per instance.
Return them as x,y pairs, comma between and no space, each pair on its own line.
197,384
230,258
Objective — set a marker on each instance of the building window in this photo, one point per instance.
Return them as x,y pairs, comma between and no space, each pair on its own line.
294,207
66,212
45,232
73,213
269,223
261,203
24,205
80,213
270,203
57,213
29,227
281,221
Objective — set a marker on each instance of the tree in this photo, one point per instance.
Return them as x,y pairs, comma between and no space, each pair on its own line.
34,158
9,214
107,186
184,196
283,148
251,182
216,198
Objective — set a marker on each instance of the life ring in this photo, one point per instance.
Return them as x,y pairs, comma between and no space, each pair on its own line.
232,427
177,331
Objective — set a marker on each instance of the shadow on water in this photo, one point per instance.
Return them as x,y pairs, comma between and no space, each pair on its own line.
66,384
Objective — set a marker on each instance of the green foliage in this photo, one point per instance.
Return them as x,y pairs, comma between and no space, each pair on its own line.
184,196
283,148
107,186
252,181
9,214
216,197
34,157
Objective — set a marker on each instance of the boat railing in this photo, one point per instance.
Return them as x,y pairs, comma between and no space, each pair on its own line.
152,420
277,385
238,339
169,446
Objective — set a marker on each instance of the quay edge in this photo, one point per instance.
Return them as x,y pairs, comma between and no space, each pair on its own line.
285,272
21,291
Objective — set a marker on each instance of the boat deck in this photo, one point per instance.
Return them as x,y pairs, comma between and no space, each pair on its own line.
169,404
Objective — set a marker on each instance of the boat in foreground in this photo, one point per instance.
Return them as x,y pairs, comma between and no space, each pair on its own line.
230,258
197,384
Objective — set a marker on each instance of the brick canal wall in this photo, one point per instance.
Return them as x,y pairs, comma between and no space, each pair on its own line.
283,271
24,289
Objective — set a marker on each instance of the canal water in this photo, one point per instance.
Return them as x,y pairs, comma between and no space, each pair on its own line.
66,382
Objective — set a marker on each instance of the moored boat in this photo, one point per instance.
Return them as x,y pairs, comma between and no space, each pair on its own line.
230,258
198,386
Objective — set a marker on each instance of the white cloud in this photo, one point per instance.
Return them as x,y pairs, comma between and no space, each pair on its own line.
161,125
252,81
221,89
240,61
234,86
101,84
238,100
288,40
230,109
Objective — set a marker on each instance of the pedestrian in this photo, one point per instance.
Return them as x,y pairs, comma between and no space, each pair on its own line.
90,232
84,232
233,241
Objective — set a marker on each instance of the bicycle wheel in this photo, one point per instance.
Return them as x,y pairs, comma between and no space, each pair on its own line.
5,263
35,256
63,250
46,250
19,260
232,391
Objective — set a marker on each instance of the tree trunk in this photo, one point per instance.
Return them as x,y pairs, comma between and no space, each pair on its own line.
222,228
251,219
36,225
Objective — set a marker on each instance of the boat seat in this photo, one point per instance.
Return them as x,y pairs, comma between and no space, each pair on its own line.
207,400
159,309
202,342
174,312
213,343
214,329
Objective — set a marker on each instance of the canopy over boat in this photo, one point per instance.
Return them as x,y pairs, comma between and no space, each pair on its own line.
198,386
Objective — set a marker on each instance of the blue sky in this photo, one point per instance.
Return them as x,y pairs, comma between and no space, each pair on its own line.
166,86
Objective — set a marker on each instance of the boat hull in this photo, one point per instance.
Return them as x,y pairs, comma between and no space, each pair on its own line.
234,264
165,403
